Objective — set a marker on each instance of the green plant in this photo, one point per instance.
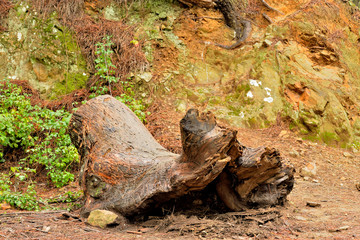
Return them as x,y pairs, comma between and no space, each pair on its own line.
67,197
356,145
26,201
128,98
105,69
104,66
38,132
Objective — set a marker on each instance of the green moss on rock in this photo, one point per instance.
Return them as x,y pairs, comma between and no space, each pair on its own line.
42,51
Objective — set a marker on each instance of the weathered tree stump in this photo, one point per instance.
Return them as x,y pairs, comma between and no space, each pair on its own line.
125,170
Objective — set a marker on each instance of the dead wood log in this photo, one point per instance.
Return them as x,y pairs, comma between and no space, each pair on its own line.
125,170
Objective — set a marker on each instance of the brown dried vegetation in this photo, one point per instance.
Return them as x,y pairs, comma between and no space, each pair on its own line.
89,31
5,7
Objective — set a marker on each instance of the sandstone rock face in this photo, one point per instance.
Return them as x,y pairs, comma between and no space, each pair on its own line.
305,66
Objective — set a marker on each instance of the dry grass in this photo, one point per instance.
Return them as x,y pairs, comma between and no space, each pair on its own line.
5,7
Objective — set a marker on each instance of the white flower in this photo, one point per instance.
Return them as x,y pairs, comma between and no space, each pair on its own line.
268,90
84,74
249,94
255,83
269,99
19,36
242,115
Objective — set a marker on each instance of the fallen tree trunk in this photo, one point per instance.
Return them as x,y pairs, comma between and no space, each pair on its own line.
125,170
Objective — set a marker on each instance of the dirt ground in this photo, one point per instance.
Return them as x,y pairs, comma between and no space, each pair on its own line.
332,188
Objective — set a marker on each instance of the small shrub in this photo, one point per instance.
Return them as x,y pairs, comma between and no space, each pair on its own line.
39,132
26,201
106,70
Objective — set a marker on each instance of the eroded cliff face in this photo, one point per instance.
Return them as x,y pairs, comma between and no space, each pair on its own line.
303,64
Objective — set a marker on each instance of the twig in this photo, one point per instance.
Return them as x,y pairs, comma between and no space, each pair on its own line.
24,235
29,213
134,232
274,9
202,17
267,18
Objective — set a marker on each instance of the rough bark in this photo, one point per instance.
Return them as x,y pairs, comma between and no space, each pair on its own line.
125,170
199,3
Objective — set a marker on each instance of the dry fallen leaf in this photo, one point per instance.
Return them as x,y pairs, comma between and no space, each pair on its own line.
5,206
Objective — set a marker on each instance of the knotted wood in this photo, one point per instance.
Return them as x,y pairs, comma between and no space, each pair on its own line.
125,170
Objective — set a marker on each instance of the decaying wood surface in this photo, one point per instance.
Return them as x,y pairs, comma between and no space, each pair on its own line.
125,170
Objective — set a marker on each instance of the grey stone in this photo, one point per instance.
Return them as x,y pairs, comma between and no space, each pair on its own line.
103,218
294,154
348,155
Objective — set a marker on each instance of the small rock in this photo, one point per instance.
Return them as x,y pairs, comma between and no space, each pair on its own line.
282,133
146,76
309,170
302,152
348,155
197,202
294,154
301,218
45,229
313,204
257,45
103,218
181,106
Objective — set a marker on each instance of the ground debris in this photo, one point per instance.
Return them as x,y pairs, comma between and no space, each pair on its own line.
313,204
339,229
231,224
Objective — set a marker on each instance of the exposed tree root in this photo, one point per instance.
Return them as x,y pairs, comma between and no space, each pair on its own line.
271,8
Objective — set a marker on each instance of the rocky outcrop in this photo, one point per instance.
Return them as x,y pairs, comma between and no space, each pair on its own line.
304,65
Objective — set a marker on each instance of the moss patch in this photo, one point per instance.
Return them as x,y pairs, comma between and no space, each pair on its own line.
43,52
